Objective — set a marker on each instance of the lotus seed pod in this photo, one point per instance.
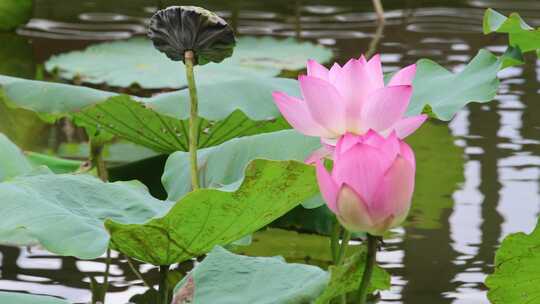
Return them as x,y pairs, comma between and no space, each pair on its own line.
178,29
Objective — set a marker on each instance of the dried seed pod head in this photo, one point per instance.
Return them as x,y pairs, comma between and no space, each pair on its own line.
178,29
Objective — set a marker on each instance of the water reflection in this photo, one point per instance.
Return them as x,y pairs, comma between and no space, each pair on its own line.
443,254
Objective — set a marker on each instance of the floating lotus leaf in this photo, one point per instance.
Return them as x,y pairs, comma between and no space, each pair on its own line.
65,213
135,61
208,217
224,277
517,270
520,34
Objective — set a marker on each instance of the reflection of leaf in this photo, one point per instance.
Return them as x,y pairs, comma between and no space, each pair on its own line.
517,270
222,167
12,160
224,277
439,171
145,66
293,246
65,213
347,277
446,92
16,56
520,34
20,298
207,217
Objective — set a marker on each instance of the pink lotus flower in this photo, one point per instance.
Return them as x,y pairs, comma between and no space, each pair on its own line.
372,182
353,99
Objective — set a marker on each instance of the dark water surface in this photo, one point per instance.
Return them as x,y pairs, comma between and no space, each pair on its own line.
444,252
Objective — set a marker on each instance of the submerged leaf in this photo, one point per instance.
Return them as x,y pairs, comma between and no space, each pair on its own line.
517,270
346,278
207,217
224,277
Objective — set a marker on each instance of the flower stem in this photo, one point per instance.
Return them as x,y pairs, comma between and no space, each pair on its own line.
96,158
189,58
371,259
163,285
343,248
334,241
379,10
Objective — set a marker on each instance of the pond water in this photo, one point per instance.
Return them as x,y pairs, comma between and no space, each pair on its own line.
440,256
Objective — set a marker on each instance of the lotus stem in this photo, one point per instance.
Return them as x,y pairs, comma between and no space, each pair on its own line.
334,241
343,248
374,43
189,58
96,158
371,259
379,10
137,273
163,285
106,276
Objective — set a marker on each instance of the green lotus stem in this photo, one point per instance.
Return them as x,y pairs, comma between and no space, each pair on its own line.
334,241
189,58
106,276
137,273
97,160
343,248
371,259
379,10
163,285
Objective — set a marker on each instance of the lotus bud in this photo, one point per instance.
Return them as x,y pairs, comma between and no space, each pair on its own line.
371,184
178,29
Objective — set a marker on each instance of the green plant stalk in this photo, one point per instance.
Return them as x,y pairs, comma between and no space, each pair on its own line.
163,285
379,10
371,259
334,241
189,59
343,248
97,160
105,286
137,273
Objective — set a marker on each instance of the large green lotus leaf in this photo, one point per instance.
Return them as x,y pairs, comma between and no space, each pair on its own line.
446,92
12,160
517,270
224,277
117,153
347,277
208,217
229,109
21,298
65,213
520,34
439,172
14,13
136,61
222,167
49,97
